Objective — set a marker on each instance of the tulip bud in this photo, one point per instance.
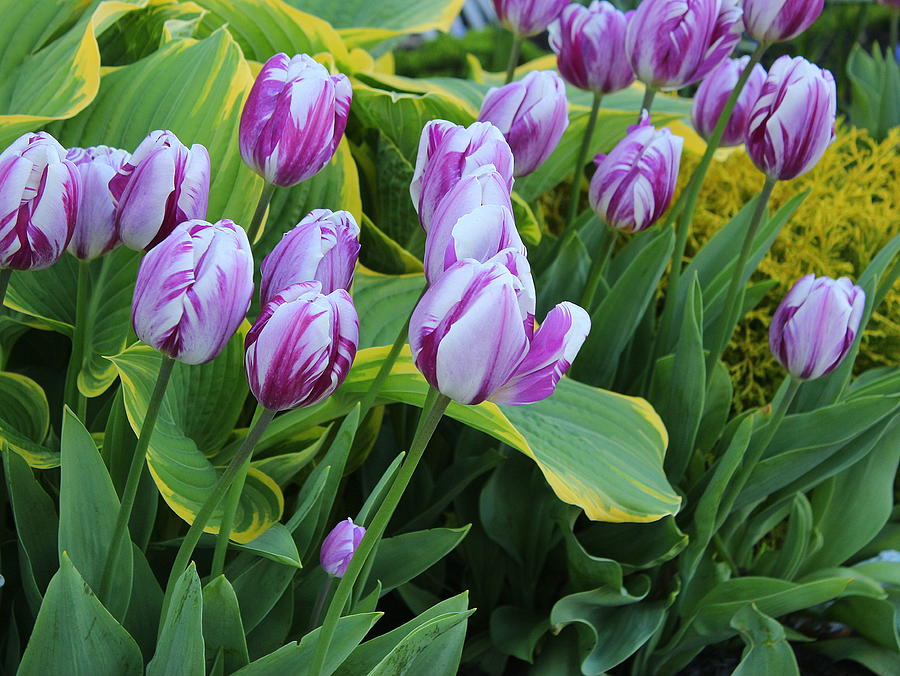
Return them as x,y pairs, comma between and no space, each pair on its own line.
474,220
709,101
528,17
38,202
590,47
323,246
509,362
95,228
301,346
634,184
447,153
164,183
815,325
293,119
339,547
674,43
193,290
532,114
792,122
778,20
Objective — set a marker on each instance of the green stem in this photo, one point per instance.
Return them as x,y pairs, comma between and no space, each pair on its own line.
731,310
320,603
687,201
581,158
601,258
895,29
235,465
428,420
647,102
514,51
231,503
261,206
134,475
73,397
5,274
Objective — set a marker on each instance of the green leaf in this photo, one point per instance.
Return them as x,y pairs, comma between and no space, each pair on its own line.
411,655
517,631
75,634
25,420
767,651
88,507
222,628
879,660
145,606
526,223
199,410
566,275
387,301
180,650
383,254
874,80
401,558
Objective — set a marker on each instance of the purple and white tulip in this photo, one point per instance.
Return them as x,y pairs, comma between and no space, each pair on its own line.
634,184
532,114
713,92
777,20
324,246
293,119
339,547
791,124
164,183
507,362
193,290
447,153
95,228
674,43
474,220
39,191
590,47
815,325
528,17
301,347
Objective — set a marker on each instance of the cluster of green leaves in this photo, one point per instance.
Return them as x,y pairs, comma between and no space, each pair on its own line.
583,541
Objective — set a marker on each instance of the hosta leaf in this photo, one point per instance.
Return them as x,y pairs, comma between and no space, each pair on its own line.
25,419
200,409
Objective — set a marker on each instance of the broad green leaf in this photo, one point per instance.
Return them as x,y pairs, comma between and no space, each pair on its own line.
180,650
222,628
194,88
41,82
634,546
140,33
199,410
88,507
380,252
411,655
767,651
874,80
75,634
880,661
25,419
566,275
145,605
516,631
876,619
785,562
402,557
387,300
526,222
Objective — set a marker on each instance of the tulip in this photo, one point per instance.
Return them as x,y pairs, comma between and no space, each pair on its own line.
815,325
164,183
472,334
475,220
324,246
528,17
293,119
674,43
301,346
777,20
590,47
532,114
709,101
792,123
633,185
193,290
339,547
447,153
39,191
95,228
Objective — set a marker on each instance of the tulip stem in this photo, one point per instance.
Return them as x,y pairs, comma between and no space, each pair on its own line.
435,405
134,475
320,603
731,309
581,158
895,28
5,274
73,397
259,214
514,51
683,210
647,103
601,258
